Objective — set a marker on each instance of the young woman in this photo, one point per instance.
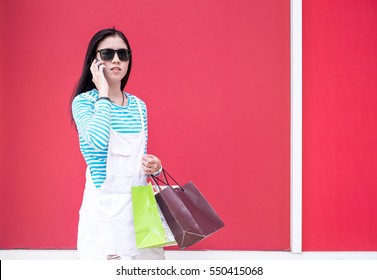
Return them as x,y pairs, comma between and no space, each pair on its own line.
112,129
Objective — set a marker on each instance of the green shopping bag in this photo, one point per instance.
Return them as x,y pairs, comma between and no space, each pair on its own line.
151,229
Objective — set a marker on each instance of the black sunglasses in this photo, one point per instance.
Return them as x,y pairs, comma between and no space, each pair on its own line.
108,54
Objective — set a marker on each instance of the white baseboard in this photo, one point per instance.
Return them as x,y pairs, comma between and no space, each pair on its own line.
199,255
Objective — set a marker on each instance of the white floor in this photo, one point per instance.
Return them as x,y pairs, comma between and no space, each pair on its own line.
199,255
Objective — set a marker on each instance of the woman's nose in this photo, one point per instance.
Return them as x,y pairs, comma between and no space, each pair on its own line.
116,58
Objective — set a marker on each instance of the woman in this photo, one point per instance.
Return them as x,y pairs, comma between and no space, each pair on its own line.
112,128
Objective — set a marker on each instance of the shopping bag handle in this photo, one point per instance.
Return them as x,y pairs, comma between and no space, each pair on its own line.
166,182
155,181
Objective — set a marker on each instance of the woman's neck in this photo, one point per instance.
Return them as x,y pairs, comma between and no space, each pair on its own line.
114,90
116,95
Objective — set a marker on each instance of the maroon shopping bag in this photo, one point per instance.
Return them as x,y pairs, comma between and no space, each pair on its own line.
189,215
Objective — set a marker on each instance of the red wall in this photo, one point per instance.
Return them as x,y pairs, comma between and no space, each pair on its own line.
339,125
215,77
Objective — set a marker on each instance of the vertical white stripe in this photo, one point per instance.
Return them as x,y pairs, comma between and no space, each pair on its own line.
296,126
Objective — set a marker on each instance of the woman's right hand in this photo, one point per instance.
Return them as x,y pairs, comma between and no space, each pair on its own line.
99,79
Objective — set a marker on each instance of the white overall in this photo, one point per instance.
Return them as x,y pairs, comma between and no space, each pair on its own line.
106,221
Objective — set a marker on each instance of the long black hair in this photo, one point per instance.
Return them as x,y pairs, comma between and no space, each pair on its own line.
85,82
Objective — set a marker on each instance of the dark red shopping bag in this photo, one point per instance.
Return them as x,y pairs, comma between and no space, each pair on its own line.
189,215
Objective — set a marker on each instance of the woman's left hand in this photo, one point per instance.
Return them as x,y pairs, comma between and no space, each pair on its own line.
151,164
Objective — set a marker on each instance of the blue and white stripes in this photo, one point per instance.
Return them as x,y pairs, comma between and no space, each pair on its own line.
95,118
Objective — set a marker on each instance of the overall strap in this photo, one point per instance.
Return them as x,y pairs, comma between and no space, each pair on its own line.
141,114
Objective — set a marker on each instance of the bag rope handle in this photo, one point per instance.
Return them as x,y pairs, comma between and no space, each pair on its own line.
166,182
